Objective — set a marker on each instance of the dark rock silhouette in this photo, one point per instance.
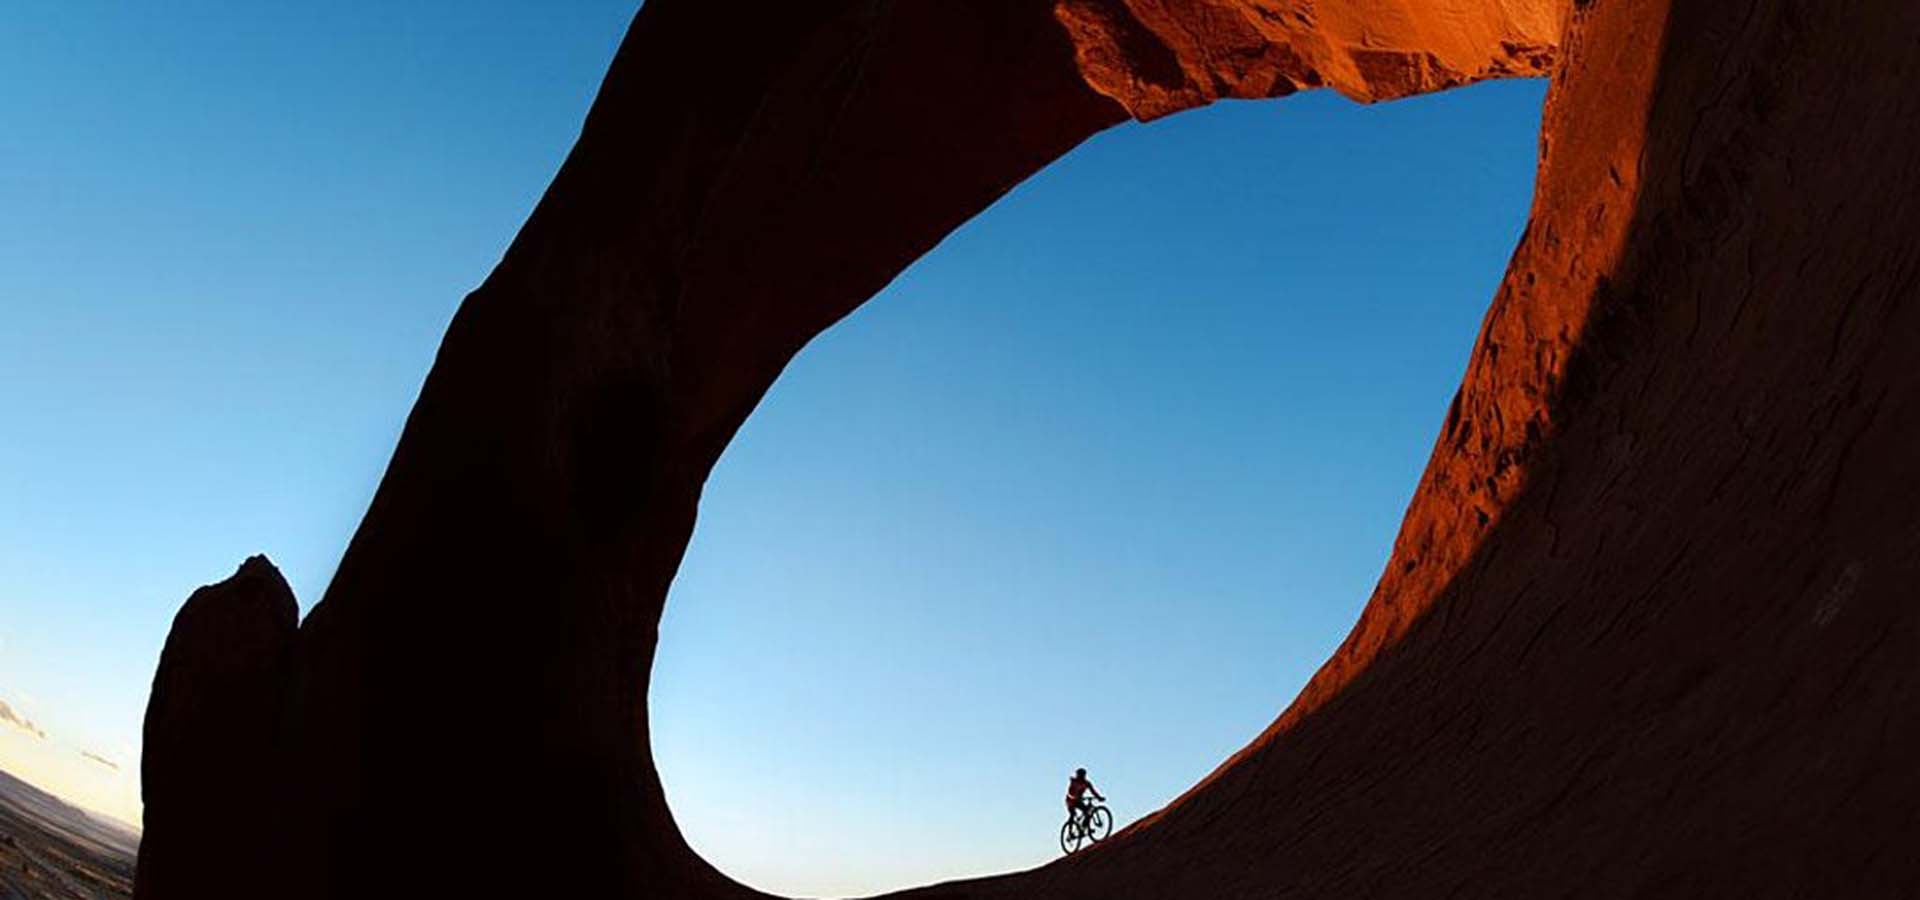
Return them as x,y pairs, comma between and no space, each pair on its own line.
1647,628
209,765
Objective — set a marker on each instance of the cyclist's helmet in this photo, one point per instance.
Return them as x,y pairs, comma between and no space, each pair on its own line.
1079,773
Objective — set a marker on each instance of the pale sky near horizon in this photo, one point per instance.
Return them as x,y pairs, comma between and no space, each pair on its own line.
1100,481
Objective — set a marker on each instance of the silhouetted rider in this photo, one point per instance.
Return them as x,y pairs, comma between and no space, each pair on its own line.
1077,788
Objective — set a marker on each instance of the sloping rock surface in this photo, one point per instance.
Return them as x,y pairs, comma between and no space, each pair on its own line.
1647,628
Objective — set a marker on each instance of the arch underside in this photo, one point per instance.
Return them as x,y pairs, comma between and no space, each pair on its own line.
1645,628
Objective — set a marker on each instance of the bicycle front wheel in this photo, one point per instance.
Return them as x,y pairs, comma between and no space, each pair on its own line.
1099,823
1070,837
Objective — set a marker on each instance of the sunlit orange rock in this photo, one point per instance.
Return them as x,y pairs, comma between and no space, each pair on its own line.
1648,626
1156,57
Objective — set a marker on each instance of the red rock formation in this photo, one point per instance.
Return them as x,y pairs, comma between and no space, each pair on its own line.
1645,629
1156,57
209,764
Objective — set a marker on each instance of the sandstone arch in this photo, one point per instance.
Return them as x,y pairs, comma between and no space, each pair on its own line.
1645,628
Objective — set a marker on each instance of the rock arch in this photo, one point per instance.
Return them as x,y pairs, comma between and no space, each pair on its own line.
1646,626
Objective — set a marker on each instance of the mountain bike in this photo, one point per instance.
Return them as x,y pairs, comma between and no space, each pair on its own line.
1090,826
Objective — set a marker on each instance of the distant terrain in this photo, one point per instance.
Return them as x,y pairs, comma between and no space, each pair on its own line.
50,850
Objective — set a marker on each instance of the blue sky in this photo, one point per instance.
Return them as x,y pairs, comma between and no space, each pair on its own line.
1098,482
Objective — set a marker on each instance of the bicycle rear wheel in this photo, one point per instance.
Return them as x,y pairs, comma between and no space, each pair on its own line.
1099,823
1070,837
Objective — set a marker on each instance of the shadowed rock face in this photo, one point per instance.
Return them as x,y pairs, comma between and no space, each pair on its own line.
1647,626
209,765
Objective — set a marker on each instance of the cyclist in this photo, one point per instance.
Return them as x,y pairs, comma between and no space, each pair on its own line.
1077,787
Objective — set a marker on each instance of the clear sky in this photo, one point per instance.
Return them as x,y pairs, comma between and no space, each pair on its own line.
1098,482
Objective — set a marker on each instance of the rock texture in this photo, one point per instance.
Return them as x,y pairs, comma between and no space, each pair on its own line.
210,765
1648,627
1156,57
